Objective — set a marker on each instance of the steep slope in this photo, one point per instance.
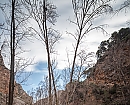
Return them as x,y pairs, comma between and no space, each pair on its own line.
20,96
112,71
108,82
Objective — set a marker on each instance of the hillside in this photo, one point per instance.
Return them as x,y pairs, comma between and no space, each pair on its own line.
108,82
20,96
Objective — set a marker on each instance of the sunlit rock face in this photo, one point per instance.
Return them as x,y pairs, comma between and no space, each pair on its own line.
4,77
114,66
20,96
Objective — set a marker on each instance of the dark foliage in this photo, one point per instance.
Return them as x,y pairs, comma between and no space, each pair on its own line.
116,37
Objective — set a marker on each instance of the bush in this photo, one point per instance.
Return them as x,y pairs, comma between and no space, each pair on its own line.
113,89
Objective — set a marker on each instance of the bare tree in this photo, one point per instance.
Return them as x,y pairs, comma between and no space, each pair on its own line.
85,61
124,5
15,25
42,12
12,48
86,11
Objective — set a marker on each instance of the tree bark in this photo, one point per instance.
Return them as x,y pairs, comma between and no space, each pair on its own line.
48,52
12,48
53,80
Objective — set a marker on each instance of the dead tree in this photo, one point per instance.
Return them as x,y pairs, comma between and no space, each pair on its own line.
15,26
42,12
86,11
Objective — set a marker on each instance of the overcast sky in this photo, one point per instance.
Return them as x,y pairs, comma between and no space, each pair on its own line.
91,42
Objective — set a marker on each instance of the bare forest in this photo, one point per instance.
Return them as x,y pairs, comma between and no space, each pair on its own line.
64,52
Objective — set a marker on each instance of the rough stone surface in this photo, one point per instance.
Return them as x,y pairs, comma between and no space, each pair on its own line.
20,96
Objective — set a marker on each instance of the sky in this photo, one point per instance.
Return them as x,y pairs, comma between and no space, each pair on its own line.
37,51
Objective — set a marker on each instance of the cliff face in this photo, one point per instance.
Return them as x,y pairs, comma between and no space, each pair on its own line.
20,96
108,82
114,66
111,73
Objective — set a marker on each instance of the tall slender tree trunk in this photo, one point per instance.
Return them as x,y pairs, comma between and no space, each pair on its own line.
72,70
53,80
75,55
12,48
47,49
49,70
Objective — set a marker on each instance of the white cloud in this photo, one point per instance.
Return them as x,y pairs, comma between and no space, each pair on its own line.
91,42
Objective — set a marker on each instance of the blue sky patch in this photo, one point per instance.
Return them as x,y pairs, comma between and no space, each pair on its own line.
41,66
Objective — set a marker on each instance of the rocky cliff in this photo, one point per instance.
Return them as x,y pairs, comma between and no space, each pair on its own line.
108,82
20,96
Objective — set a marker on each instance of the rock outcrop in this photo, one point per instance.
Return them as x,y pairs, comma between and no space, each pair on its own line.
108,82
20,96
